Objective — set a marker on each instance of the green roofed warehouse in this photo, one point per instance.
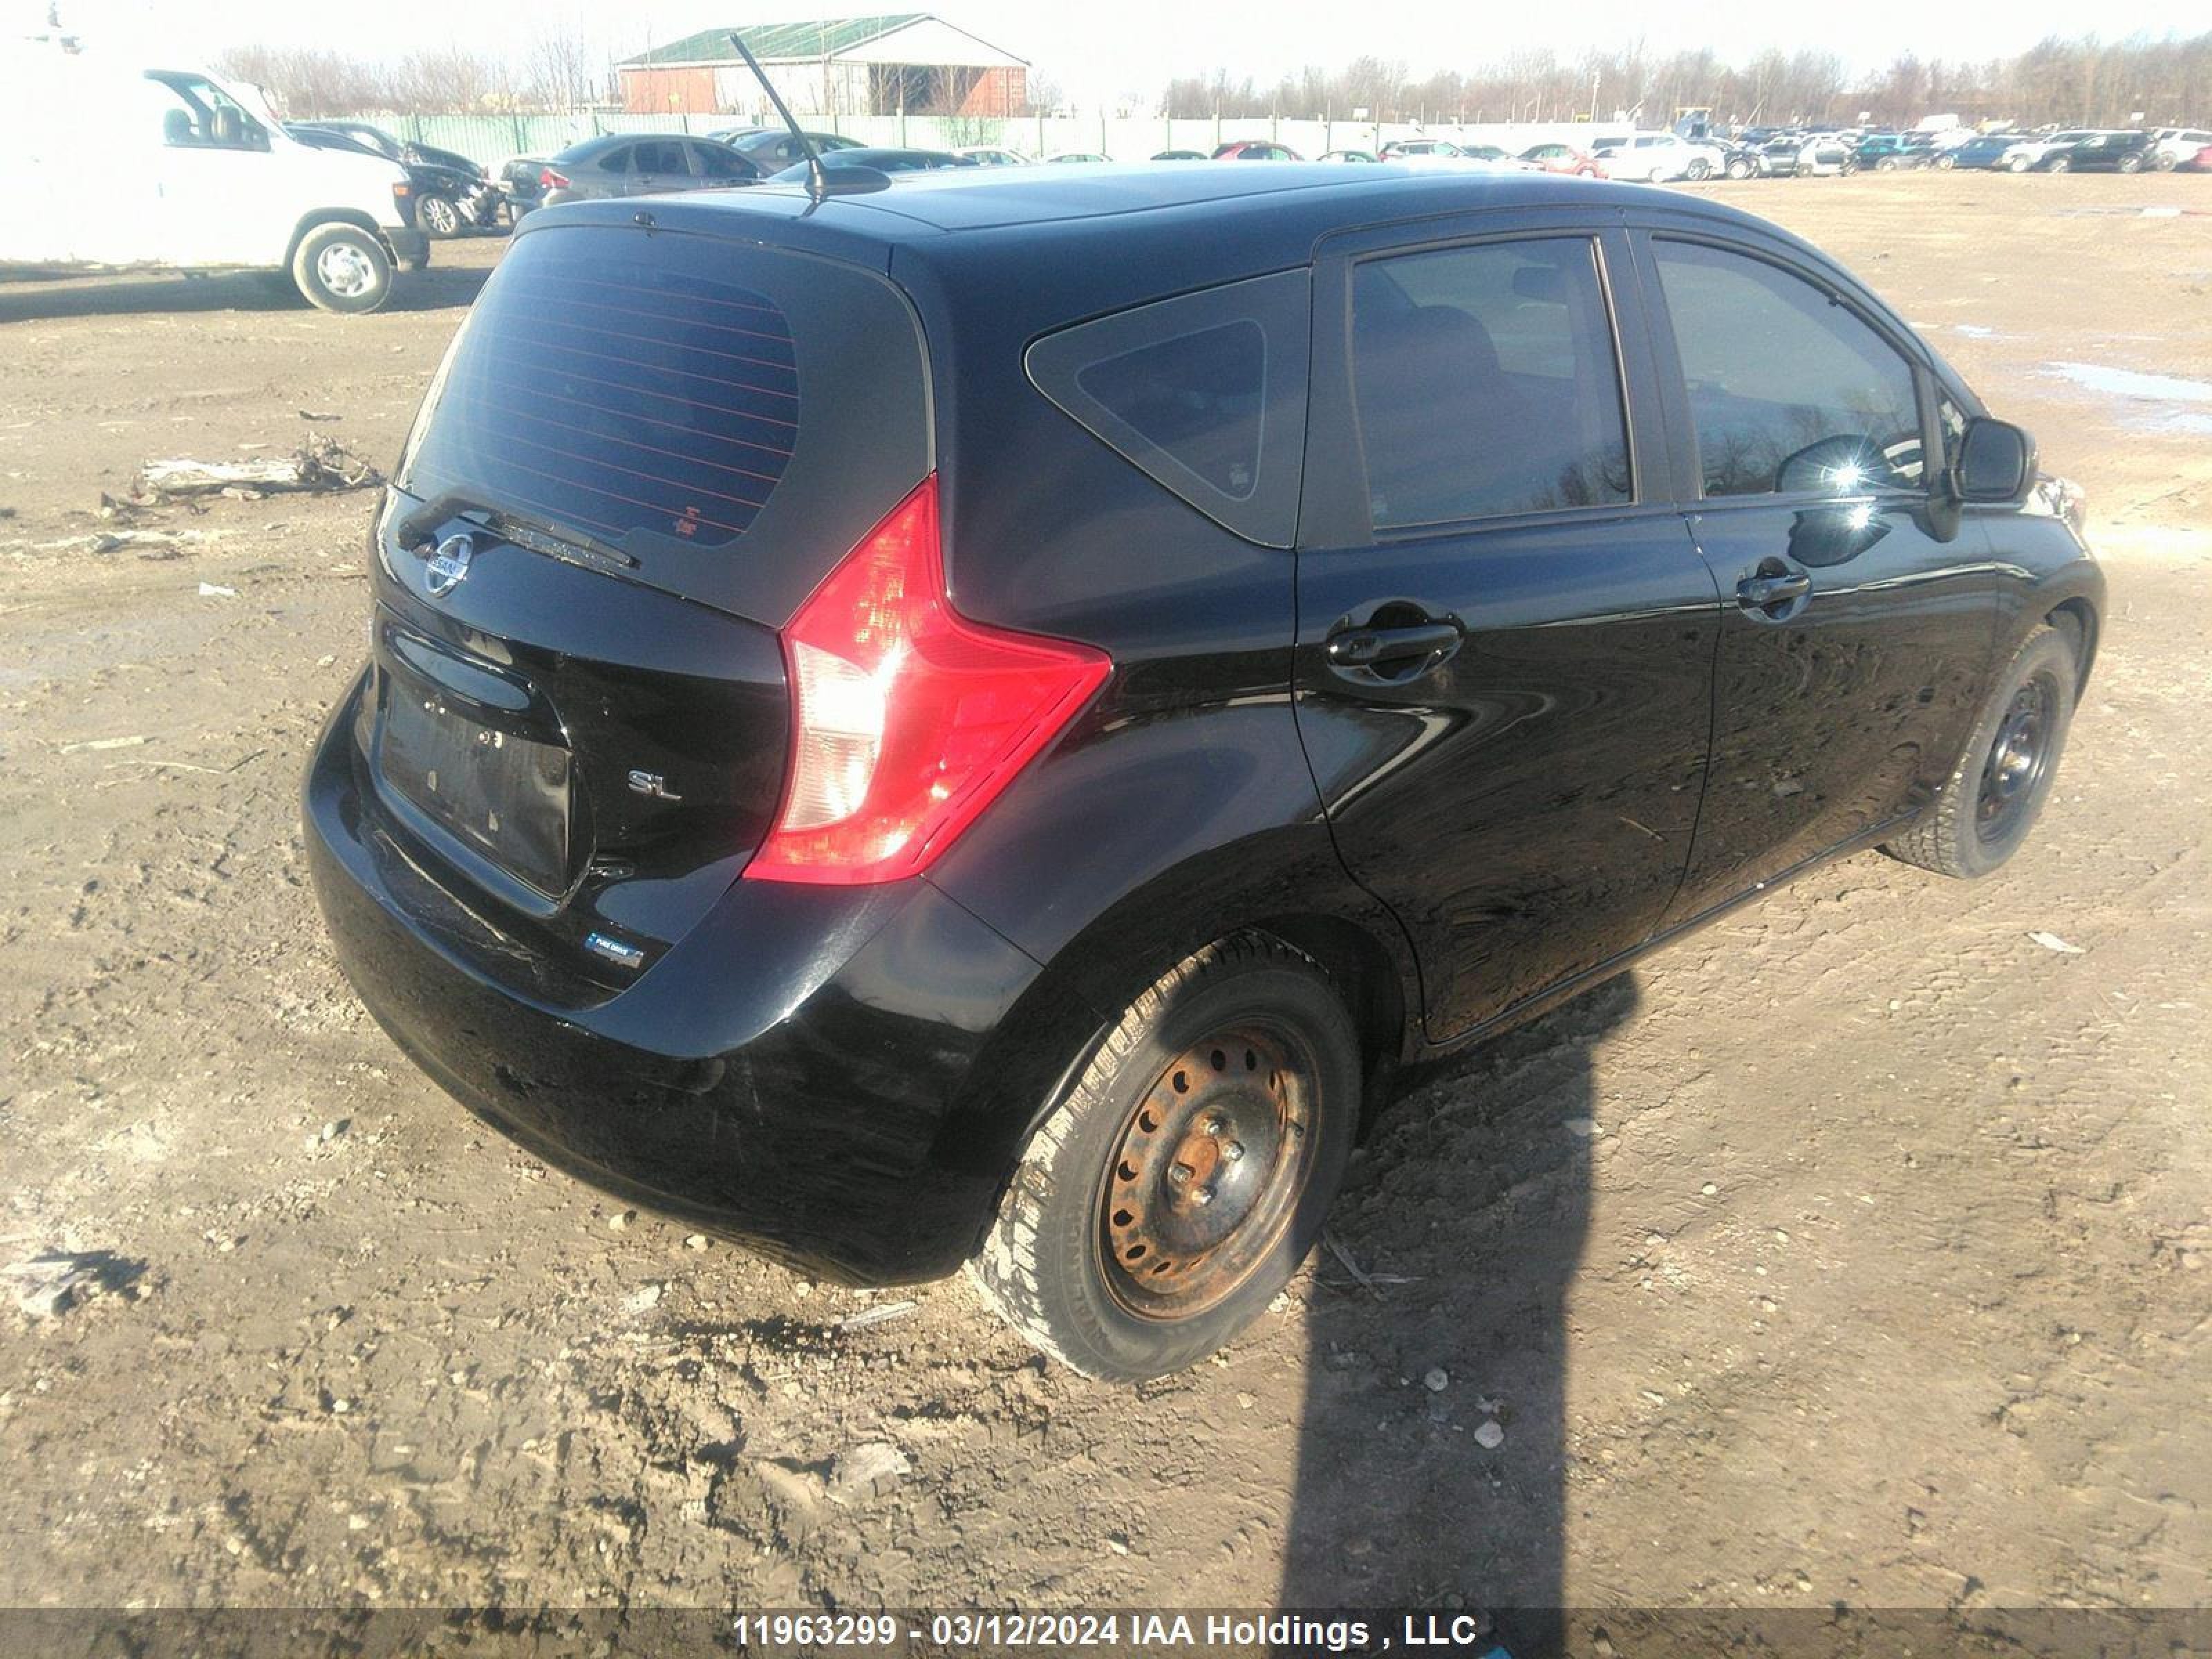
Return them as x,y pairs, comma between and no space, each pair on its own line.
900,62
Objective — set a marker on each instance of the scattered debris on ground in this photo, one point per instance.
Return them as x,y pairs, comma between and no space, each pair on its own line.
866,1468
54,1281
321,465
883,1314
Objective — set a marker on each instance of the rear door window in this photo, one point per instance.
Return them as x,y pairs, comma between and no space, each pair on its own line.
662,157
1204,393
1487,382
1790,391
715,161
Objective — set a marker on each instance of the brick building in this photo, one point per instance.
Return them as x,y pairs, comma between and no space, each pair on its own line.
908,62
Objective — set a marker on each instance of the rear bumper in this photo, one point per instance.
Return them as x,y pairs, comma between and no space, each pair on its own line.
816,1071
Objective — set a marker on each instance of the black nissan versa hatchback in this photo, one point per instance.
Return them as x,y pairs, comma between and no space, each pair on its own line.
978,722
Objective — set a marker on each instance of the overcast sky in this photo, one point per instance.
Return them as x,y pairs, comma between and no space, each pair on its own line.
1107,48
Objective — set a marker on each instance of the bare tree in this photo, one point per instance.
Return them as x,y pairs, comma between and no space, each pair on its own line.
560,72
2079,81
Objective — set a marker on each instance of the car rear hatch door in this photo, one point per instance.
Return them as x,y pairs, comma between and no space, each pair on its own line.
644,449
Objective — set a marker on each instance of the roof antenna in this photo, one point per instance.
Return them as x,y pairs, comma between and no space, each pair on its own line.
819,187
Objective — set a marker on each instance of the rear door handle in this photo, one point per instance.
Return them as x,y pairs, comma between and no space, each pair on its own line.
1764,593
1365,648
1399,651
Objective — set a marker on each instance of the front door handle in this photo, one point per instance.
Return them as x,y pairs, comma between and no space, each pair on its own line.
1426,643
1764,592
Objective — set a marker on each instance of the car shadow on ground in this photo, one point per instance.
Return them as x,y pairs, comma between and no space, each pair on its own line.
1432,1447
33,298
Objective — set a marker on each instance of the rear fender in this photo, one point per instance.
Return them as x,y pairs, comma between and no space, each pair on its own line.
1113,860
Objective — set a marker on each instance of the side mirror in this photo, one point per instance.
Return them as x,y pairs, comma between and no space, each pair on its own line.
1996,464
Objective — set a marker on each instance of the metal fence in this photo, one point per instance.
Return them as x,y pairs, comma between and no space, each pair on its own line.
491,138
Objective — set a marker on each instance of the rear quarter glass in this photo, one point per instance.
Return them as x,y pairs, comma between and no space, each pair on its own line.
731,416
1204,394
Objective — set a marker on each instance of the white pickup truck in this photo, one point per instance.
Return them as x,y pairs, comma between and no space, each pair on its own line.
111,165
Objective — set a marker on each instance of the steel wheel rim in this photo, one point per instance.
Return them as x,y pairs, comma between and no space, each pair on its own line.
2018,759
1208,1171
345,270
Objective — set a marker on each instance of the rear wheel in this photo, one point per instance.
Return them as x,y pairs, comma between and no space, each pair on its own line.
342,267
1180,1182
1997,790
2130,164
1945,163
2058,164
2016,164
1699,171
1739,168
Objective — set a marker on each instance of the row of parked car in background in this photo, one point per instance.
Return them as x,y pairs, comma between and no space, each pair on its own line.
331,208
451,195
637,164
2161,149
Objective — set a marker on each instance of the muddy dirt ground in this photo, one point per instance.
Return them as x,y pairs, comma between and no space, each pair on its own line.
1859,1251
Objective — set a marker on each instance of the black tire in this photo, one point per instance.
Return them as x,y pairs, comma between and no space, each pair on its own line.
440,217
1996,791
1944,163
2017,164
342,267
2058,164
2130,164
1699,171
1152,1133
1739,168
1887,164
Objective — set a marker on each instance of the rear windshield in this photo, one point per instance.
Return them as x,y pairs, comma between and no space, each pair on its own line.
613,393
727,415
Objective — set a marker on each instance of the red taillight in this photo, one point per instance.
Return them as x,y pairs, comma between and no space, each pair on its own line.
548,179
908,718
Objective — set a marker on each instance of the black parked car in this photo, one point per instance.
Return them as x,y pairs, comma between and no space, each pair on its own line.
2118,152
394,148
982,722
445,197
640,164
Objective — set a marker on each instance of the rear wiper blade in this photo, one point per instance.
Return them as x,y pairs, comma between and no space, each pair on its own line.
538,535
570,544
